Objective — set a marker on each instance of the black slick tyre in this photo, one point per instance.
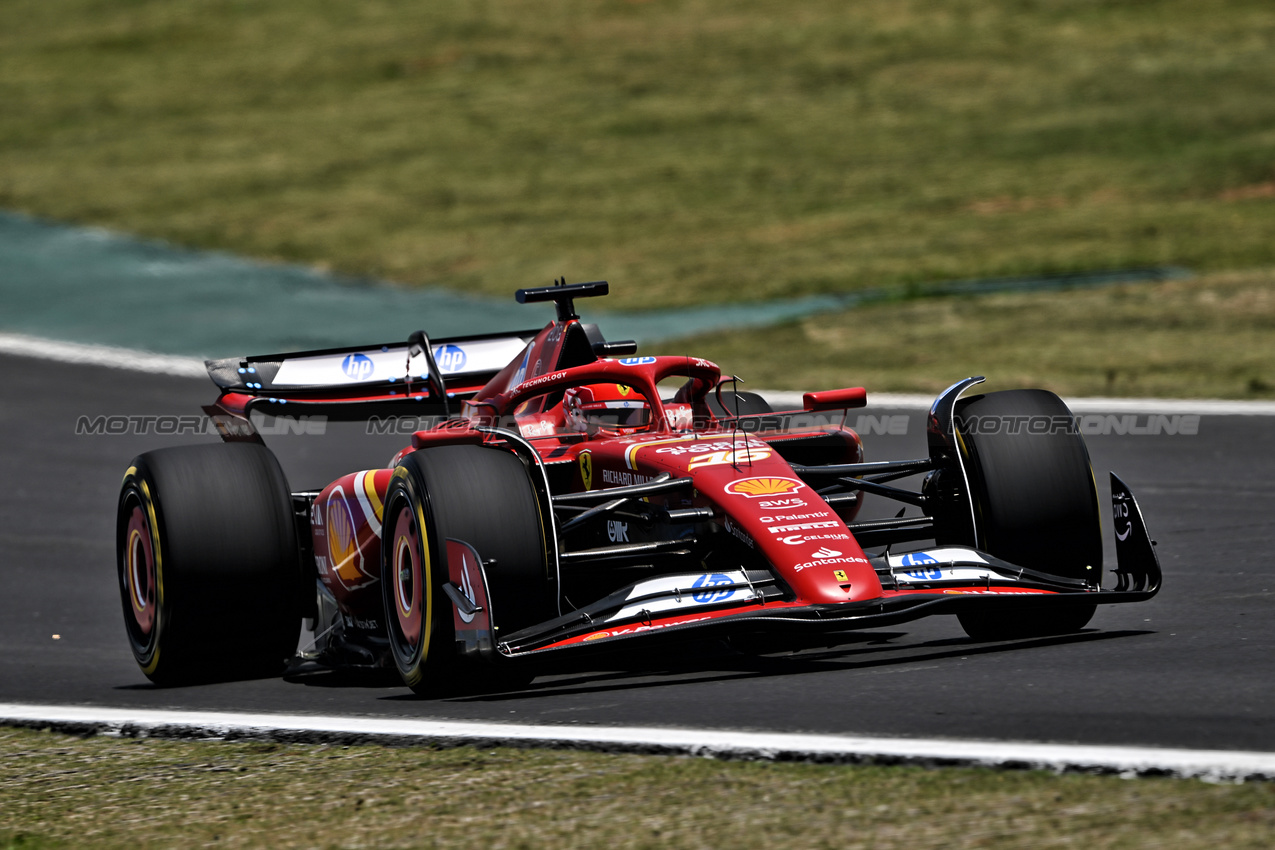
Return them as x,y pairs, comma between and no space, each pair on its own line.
208,563
1035,503
480,495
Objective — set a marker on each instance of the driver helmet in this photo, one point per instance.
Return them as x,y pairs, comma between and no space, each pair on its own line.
613,408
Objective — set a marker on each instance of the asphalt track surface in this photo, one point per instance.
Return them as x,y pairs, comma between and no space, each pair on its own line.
1193,668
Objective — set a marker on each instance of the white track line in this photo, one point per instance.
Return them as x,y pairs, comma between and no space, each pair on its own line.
101,355
1211,765
192,367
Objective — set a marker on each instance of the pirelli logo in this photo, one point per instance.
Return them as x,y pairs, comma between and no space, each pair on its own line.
802,526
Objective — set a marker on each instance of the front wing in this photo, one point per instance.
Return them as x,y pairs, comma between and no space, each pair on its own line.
947,580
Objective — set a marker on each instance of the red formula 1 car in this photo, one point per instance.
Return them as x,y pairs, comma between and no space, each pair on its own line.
562,496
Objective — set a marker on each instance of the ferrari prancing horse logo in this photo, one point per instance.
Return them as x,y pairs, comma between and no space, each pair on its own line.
586,469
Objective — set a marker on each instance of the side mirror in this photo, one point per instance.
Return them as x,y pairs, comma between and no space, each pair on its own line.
835,399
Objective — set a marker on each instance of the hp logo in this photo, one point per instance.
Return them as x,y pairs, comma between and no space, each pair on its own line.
357,367
450,358
926,566
712,580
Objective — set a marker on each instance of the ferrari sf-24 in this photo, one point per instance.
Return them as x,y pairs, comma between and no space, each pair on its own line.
569,497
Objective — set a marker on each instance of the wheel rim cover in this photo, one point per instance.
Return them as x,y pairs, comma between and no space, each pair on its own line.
139,571
407,577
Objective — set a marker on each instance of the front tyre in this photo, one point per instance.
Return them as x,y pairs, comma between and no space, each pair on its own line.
483,496
1035,503
208,563
412,580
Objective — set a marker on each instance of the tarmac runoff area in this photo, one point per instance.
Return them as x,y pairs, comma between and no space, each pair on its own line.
1129,762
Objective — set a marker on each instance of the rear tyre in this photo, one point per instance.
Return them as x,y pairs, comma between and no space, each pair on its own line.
1035,503
208,563
483,496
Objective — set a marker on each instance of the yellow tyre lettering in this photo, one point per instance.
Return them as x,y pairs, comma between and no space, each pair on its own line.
427,579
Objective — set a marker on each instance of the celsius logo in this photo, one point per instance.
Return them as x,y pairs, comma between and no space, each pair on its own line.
825,552
450,358
357,366
798,539
712,580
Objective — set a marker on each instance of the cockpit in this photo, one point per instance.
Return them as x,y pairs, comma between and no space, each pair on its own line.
612,408
613,399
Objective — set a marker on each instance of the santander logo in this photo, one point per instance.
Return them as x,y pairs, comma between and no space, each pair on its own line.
825,556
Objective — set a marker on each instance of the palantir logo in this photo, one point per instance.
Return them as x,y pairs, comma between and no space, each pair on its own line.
357,367
450,358
711,580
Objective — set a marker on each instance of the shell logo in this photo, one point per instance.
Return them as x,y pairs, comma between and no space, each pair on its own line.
343,543
340,533
755,488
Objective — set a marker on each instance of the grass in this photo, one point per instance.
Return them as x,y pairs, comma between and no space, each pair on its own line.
59,791
690,151
1209,337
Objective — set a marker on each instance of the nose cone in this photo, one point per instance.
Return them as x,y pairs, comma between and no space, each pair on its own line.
808,544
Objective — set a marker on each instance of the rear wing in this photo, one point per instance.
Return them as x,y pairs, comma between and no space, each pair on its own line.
368,372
